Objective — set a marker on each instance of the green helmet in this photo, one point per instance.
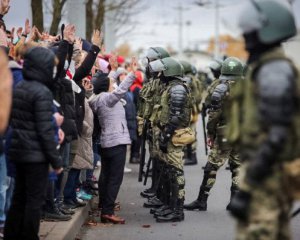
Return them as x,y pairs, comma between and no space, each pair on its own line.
155,53
216,65
231,68
187,67
273,20
169,66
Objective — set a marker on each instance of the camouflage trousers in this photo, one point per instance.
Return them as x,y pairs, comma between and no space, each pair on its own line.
216,159
269,210
172,162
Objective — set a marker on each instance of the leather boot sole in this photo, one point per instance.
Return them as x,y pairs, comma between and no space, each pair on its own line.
110,220
177,219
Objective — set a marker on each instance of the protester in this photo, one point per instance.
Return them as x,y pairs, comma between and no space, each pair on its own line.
33,145
113,138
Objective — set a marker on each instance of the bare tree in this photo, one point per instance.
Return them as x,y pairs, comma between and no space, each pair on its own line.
96,9
37,13
57,6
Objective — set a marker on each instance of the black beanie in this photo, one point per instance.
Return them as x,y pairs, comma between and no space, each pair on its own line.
100,82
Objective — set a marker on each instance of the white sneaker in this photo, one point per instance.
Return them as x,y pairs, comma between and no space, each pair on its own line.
127,170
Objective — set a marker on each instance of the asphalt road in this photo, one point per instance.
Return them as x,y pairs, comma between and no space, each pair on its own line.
214,224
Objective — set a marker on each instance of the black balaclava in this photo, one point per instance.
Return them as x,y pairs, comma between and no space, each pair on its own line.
255,47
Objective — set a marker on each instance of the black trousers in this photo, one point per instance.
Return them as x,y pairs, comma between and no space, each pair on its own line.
111,176
23,220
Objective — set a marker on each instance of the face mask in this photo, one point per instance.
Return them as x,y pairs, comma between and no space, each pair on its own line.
54,71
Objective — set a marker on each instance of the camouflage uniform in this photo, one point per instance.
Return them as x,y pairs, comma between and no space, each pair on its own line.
171,114
147,101
196,87
221,151
267,133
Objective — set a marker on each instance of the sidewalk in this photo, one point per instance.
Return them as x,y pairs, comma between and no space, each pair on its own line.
65,230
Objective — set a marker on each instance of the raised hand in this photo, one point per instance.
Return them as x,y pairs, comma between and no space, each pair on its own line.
27,28
113,62
33,34
78,43
12,34
69,33
19,32
97,38
133,64
4,7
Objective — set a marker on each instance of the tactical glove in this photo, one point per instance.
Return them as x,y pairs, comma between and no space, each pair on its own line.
165,137
239,205
257,172
261,165
163,142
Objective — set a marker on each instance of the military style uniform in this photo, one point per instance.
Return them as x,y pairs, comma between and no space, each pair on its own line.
170,118
216,126
147,101
268,132
196,87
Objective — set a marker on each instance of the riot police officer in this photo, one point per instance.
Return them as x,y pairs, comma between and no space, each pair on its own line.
221,151
172,119
268,132
190,151
145,107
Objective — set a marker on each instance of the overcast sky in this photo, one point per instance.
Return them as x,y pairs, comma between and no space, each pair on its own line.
157,24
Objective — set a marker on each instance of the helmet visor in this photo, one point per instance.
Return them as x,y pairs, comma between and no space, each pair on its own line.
152,54
157,66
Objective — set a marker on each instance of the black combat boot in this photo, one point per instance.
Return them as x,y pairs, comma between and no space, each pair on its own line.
151,192
200,203
153,203
163,211
176,215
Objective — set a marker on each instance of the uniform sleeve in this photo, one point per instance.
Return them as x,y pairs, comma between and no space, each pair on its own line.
213,120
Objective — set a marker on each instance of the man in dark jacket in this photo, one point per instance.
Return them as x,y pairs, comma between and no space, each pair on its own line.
33,144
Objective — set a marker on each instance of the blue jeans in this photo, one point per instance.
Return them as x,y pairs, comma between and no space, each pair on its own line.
72,182
9,193
89,172
3,187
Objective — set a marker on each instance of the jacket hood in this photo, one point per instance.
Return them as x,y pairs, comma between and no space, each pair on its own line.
39,65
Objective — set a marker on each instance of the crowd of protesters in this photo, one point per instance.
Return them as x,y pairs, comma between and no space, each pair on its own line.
64,105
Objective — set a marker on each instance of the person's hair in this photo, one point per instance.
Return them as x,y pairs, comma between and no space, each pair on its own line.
21,49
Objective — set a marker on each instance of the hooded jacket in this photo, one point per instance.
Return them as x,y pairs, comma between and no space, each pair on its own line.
33,136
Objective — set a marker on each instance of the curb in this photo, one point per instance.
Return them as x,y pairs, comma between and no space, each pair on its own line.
65,230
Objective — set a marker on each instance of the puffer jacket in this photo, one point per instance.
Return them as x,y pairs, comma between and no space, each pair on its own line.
111,114
33,136
83,148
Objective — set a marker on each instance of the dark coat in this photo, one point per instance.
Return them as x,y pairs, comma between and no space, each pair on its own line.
63,92
33,136
130,112
82,72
